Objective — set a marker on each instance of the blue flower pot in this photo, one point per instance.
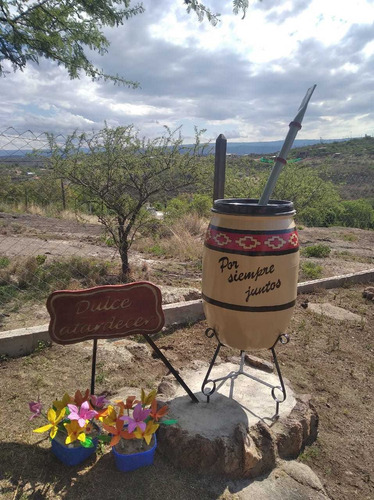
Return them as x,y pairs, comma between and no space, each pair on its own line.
132,461
72,456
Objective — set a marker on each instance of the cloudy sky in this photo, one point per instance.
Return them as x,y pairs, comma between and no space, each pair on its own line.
244,78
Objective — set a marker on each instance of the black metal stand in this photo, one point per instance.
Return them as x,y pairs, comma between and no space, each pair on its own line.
159,354
171,368
93,368
208,391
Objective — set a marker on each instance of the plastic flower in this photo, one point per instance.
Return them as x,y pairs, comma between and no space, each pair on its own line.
147,434
54,419
99,401
75,432
147,400
109,416
35,408
82,414
117,432
157,414
79,398
66,399
129,405
137,419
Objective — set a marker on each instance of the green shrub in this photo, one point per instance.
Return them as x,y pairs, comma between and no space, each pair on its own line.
4,262
311,270
349,237
157,250
357,213
201,205
320,251
7,292
40,259
176,208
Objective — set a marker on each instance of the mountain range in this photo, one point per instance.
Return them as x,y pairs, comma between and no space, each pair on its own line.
235,148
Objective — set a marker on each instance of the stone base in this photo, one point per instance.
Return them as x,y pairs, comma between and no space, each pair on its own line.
234,437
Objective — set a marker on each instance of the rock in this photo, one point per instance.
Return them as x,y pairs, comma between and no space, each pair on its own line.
298,430
125,392
116,351
138,349
198,364
166,388
265,445
290,480
234,359
259,363
173,294
368,293
327,309
233,437
302,474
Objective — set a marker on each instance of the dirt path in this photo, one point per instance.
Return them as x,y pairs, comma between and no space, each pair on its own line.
27,234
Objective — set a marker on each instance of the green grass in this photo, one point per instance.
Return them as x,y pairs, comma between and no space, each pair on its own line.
349,237
320,251
4,262
311,270
157,250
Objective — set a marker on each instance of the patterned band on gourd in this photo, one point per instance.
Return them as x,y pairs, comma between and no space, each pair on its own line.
252,243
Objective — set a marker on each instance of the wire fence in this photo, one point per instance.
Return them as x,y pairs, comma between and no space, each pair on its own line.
48,242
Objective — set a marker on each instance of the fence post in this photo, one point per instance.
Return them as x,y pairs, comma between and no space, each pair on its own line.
219,168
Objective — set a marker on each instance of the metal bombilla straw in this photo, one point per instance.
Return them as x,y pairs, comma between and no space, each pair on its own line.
281,160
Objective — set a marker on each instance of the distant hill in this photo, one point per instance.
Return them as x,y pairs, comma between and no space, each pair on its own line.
235,148
362,146
247,148
348,164
309,147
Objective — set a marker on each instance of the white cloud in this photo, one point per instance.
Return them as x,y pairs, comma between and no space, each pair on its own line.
244,78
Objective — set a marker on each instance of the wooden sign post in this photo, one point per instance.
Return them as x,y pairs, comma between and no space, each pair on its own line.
104,312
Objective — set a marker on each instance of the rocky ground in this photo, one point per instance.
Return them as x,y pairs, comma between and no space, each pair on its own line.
329,357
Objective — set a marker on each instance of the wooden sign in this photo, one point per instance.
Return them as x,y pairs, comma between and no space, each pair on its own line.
105,312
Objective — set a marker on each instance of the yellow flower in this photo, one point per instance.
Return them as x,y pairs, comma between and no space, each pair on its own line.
54,419
74,432
66,399
148,433
109,417
147,400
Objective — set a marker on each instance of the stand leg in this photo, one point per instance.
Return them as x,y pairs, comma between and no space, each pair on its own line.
206,391
280,388
283,339
93,370
171,368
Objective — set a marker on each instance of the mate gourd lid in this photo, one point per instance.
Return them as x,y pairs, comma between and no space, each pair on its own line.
250,206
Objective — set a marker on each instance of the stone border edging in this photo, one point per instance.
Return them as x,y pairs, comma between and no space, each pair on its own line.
23,341
336,281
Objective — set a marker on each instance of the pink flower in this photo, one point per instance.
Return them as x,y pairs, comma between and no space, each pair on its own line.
99,401
35,408
84,413
137,419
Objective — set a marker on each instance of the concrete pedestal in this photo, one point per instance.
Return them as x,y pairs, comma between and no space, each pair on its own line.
234,434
